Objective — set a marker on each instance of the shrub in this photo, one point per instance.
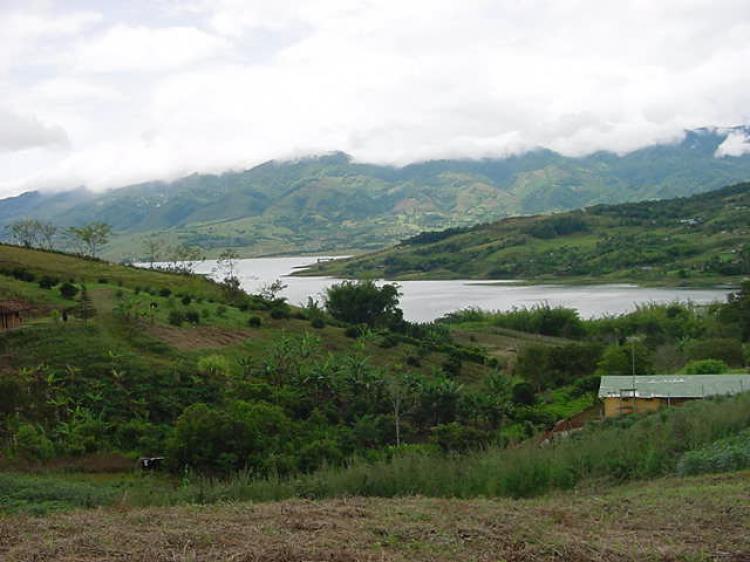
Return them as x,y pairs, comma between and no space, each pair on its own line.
186,300
706,367
221,310
279,310
215,365
724,455
318,323
165,292
254,321
47,282
31,443
523,394
68,290
176,317
353,332
23,274
103,280
456,437
193,317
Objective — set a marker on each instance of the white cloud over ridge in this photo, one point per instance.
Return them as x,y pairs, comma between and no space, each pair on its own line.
166,88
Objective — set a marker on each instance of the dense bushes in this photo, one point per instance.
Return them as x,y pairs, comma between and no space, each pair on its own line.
363,302
540,319
724,455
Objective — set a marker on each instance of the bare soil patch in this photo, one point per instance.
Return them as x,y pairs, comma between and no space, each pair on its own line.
199,337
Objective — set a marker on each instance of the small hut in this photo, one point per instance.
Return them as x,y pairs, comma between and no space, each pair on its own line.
10,314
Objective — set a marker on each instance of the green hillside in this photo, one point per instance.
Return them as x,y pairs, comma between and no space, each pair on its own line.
332,204
700,239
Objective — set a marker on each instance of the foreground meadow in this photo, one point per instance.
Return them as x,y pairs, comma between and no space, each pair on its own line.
695,518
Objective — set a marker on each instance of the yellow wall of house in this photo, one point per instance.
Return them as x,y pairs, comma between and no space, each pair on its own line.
616,406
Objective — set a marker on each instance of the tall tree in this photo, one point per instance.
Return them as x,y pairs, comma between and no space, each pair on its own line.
154,248
24,232
227,261
91,237
86,308
47,234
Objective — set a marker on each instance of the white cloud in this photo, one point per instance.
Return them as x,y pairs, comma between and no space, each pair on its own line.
736,144
141,48
147,93
20,132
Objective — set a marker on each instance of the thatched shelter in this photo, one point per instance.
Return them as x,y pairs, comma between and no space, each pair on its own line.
11,314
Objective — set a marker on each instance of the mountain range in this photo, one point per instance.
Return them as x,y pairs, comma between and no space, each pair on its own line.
332,204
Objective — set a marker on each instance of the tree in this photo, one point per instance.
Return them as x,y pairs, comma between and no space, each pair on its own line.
623,359
24,232
182,258
363,302
47,233
91,237
226,262
154,248
86,308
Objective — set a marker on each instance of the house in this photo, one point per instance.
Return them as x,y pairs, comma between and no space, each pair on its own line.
10,314
647,393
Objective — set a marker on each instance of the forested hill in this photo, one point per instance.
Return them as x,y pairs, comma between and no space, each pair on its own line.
698,239
331,204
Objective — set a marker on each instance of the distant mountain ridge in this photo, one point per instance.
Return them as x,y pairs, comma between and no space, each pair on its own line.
331,204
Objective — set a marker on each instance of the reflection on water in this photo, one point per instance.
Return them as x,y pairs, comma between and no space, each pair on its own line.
423,301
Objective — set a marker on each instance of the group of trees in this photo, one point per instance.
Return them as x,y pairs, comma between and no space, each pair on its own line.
178,258
86,240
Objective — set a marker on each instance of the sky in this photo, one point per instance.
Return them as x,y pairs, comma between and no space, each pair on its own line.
108,93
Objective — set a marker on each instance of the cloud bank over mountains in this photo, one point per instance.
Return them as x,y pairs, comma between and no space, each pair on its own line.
104,94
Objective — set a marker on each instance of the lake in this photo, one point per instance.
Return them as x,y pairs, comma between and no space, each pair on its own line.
423,301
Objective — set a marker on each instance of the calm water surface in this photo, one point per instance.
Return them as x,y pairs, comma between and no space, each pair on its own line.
423,301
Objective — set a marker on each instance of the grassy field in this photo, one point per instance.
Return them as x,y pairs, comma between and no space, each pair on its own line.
697,518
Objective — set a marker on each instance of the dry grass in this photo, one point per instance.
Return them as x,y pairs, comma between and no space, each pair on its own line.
704,518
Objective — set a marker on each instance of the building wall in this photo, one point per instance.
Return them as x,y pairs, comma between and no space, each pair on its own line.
618,406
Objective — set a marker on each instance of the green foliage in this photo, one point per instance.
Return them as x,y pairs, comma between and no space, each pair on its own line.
363,302
32,443
625,359
724,455
176,317
214,365
523,394
254,322
540,319
86,308
68,290
706,367
240,436
459,438
726,350
547,366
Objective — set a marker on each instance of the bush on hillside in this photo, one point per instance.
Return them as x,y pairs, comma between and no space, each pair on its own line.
706,367
724,455
68,290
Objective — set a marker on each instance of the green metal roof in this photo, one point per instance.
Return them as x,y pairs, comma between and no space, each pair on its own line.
673,386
